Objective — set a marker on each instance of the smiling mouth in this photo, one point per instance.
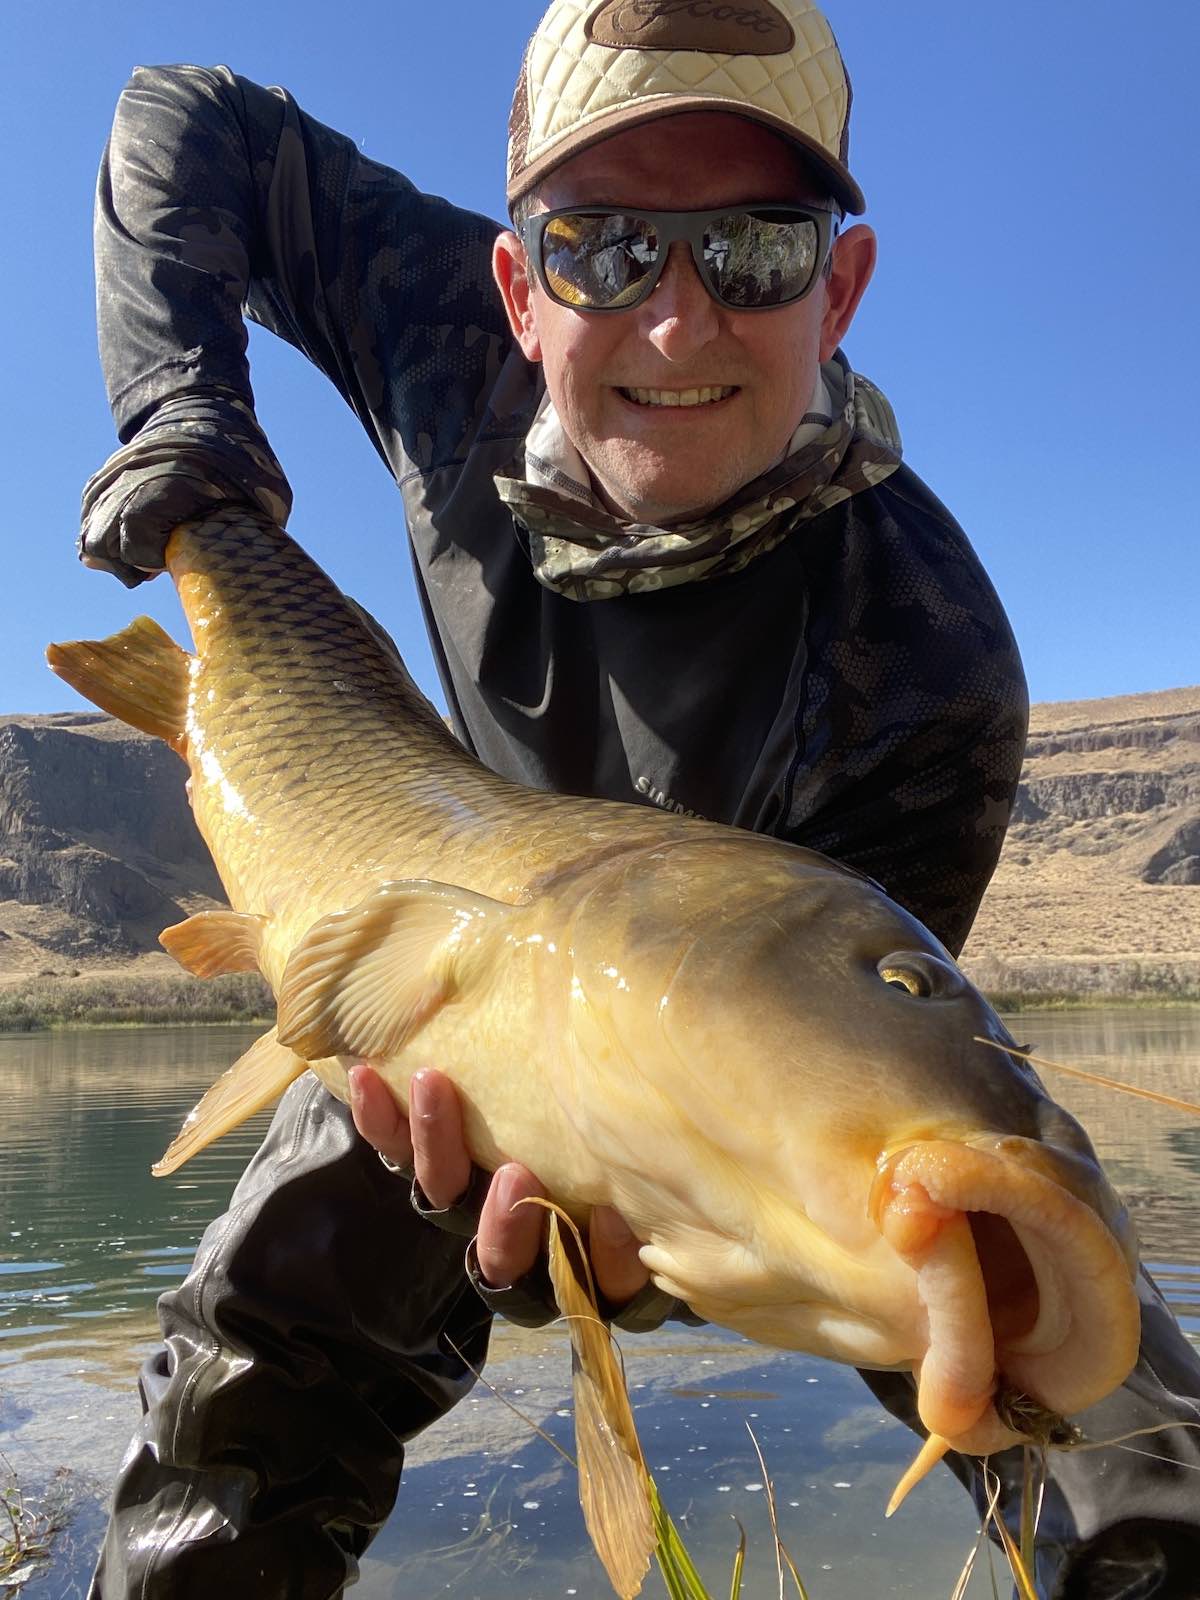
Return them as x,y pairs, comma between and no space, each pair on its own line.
706,396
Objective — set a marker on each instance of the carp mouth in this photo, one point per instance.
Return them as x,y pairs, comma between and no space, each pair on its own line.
1009,1282
1026,1290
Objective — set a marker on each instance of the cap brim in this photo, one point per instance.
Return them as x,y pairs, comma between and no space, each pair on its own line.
841,185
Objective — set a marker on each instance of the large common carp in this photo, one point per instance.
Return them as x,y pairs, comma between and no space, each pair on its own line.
764,1063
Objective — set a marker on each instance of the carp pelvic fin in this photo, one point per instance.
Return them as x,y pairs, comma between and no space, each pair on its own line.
363,982
615,1487
140,675
254,1080
215,942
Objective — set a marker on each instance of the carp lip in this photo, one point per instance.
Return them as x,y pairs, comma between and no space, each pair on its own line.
1023,1285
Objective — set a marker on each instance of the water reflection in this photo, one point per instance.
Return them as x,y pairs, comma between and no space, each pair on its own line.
85,1231
88,1240
1151,1153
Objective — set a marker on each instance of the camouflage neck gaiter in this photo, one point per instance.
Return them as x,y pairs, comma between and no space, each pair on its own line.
584,552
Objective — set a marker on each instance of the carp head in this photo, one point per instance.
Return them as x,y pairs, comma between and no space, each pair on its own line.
829,1160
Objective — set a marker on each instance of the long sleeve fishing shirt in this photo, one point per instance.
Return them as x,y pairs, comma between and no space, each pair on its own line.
855,688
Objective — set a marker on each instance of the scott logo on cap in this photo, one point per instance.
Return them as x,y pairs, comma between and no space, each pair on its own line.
711,25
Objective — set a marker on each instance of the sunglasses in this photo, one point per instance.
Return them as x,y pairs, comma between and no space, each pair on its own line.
750,257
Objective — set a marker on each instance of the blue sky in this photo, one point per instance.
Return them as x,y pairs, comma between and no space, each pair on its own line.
1030,169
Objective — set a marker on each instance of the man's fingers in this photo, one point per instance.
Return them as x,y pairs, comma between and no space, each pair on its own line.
509,1240
615,1261
429,1139
440,1158
510,1236
378,1117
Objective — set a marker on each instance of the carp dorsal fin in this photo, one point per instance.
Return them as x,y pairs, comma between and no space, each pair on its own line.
215,942
140,675
363,982
254,1080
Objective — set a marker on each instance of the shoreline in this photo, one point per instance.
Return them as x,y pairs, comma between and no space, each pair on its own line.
1006,1005
41,1005
25,1025
1010,1003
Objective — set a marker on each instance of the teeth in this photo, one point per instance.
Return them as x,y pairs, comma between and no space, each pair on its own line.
679,397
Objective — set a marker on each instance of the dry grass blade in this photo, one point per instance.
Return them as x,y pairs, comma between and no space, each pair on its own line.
28,1530
1033,1487
964,1577
1020,1573
614,1486
782,1556
1120,1441
1093,1077
482,1378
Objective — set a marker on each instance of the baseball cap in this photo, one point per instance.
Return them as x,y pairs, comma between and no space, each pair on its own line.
595,67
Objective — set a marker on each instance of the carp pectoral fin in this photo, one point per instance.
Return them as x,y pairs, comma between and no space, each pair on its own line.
254,1080
363,982
140,675
215,942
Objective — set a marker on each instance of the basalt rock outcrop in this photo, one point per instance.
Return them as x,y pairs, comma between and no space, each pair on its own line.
98,850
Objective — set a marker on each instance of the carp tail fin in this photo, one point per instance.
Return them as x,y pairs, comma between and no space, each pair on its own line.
140,675
254,1080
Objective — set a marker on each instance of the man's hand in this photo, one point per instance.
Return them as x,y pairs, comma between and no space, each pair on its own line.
430,1140
127,528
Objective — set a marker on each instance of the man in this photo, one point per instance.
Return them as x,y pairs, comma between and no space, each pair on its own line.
667,553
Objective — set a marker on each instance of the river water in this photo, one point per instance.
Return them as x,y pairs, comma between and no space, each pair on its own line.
88,1240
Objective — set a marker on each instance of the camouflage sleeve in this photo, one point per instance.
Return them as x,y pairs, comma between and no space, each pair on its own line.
215,195
915,716
930,827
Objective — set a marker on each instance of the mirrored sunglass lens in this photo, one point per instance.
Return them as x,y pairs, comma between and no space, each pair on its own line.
598,261
761,259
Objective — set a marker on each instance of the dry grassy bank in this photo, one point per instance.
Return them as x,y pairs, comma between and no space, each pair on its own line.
1025,985
47,1002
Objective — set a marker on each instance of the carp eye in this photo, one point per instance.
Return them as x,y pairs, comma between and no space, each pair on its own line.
905,978
921,974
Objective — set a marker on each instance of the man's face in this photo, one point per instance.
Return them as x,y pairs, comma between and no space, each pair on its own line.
661,463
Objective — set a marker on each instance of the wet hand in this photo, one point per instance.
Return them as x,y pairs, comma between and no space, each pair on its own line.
430,1140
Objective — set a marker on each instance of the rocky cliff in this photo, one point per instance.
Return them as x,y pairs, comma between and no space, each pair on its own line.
98,850
1098,889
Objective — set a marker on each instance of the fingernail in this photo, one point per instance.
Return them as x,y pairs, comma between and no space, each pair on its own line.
506,1185
355,1080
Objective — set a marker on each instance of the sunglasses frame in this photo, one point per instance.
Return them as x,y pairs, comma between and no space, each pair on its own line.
679,225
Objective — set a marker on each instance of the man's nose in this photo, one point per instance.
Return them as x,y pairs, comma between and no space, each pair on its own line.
679,317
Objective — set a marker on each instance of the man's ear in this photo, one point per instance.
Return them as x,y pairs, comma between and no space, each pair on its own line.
853,263
510,268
